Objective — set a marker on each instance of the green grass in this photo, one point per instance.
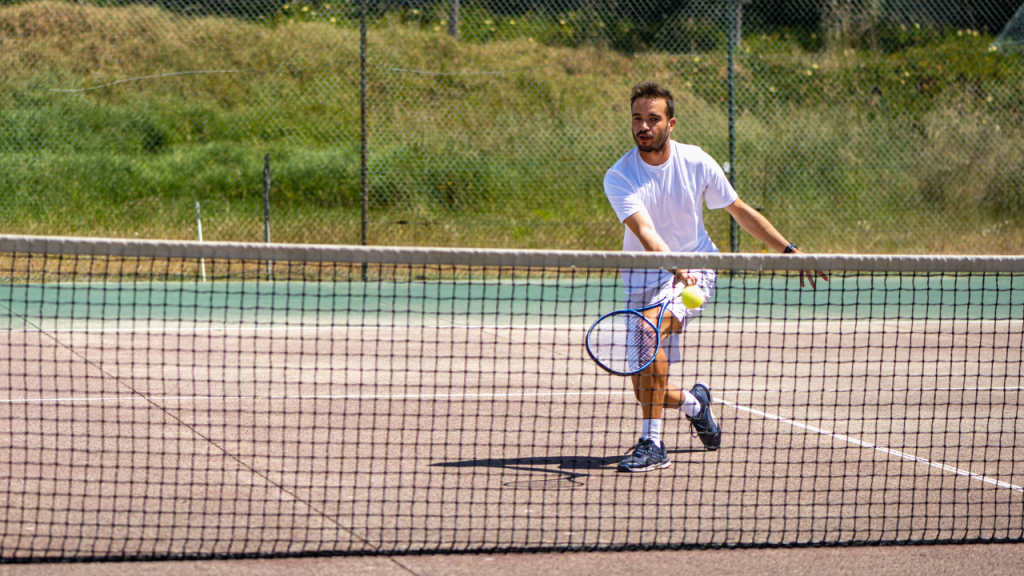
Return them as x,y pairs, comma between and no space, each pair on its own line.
911,144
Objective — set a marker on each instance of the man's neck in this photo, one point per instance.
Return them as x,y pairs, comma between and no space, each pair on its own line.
657,157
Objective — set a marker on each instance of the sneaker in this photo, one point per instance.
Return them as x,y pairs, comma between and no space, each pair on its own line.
646,456
704,424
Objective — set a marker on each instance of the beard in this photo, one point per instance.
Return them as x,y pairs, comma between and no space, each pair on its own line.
655,146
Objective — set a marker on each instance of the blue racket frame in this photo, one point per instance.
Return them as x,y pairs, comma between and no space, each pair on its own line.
663,304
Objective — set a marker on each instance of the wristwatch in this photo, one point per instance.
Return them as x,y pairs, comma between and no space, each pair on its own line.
789,249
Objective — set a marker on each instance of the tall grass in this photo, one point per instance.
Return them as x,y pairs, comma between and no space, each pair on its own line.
845,147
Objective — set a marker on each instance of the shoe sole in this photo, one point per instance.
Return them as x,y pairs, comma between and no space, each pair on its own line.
711,413
657,466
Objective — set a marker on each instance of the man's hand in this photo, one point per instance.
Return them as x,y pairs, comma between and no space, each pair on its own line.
683,276
810,275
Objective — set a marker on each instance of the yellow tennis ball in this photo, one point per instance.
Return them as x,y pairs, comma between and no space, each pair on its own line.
693,297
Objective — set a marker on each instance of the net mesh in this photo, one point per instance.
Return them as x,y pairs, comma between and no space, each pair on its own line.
374,400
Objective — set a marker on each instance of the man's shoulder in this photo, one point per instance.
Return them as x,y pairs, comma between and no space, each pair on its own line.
690,153
622,172
627,159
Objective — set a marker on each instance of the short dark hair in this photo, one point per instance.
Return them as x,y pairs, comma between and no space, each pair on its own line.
653,91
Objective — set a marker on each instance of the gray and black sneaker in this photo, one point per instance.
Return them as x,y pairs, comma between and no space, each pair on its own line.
646,456
704,424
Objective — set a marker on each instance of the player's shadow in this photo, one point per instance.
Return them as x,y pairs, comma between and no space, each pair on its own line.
564,470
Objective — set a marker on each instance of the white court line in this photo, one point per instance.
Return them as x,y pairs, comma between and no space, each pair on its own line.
698,326
855,390
440,396
504,396
287,328
141,398
863,444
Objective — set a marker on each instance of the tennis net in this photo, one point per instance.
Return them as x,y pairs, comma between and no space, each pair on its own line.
175,399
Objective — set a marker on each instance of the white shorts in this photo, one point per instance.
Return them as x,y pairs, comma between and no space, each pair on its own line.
706,280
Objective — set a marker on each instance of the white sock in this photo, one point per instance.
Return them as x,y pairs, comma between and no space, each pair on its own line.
651,430
690,405
654,432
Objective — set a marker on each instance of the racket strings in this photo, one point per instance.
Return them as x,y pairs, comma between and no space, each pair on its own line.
624,343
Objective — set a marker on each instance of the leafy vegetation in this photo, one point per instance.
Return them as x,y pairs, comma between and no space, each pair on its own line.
117,120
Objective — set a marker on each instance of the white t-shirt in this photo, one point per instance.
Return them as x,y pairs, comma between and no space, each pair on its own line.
672,194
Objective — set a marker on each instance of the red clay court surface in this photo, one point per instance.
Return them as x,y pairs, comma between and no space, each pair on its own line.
938,560
289,440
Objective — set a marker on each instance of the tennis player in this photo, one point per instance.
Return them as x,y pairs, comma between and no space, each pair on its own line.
657,190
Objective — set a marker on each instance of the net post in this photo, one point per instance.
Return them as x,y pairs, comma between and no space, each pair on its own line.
266,209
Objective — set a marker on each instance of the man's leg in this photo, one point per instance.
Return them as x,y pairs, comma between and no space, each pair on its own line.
651,387
654,393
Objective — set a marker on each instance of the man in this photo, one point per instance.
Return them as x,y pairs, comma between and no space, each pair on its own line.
657,190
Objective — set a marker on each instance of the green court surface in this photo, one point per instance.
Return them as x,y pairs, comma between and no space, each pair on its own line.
490,302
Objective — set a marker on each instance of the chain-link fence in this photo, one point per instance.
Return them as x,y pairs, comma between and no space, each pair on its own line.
1012,37
854,125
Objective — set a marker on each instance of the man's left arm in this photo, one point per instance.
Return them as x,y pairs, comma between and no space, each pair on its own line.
759,227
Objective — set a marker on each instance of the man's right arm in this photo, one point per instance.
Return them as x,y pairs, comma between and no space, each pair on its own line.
641,225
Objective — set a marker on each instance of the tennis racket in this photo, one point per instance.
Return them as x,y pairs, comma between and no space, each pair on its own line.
625,342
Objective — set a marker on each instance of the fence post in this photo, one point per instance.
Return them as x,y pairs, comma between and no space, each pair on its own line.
266,210
453,18
199,226
734,33
363,176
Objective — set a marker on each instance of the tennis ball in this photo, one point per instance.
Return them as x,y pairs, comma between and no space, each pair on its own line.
693,297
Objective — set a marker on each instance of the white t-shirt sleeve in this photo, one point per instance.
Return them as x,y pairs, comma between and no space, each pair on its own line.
718,192
620,193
